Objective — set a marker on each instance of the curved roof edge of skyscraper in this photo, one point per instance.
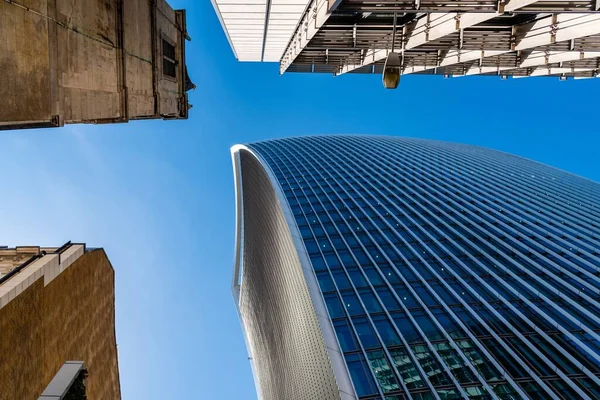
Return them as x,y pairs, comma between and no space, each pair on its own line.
345,387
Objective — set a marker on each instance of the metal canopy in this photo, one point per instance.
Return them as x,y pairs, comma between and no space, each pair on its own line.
511,38
452,38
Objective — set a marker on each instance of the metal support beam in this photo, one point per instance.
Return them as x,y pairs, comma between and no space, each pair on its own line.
557,28
541,71
312,20
536,59
426,29
483,70
434,26
554,28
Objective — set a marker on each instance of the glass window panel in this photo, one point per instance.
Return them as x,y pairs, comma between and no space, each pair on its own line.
390,275
318,231
324,245
529,357
455,363
409,374
357,277
311,246
347,259
534,390
362,257
334,306
467,318
338,243
318,263
406,328
405,296
506,392
565,390
383,372
366,334
361,375
325,281
332,261
306,232
422,396
388,299
386,330
427,325
330,228
446,296
373,276
345,335
448,323
425,296
549,351
477,392
479,361
589,386
510,364
351,303
341,280
370,301
434,371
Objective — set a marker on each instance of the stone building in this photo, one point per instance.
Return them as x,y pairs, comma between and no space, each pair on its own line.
57,324
91,61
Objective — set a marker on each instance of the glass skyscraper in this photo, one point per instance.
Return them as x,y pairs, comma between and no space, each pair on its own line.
393,268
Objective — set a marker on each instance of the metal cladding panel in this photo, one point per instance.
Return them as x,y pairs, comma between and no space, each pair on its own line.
449,271
285,341
259,30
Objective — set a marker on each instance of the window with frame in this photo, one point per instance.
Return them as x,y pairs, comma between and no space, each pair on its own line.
169,62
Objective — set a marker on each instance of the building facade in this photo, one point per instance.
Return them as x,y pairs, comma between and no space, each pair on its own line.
91,61
57,324
391,268
517,38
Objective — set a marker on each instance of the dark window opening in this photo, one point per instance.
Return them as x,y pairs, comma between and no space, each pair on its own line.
169,63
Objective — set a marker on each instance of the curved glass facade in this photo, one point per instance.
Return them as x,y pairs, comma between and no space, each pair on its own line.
448,271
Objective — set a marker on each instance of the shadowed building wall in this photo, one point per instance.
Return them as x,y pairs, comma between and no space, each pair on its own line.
60,307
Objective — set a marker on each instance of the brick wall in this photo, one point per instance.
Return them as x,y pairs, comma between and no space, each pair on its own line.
70,319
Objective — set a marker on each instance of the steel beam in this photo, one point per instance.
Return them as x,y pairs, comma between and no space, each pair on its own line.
426,29
536,59
542,71
546,31
312,20
556,28
434,26
542,57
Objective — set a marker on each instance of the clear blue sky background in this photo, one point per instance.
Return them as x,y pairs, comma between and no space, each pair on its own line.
158,196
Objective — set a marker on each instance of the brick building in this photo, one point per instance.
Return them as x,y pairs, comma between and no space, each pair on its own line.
57,315
91,61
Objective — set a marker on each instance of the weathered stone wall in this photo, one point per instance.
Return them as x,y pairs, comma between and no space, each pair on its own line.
73,318
24,62
63,58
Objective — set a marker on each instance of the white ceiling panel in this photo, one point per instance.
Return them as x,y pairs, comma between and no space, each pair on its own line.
259,30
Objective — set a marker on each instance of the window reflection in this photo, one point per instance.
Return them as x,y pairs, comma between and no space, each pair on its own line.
383,372
410,376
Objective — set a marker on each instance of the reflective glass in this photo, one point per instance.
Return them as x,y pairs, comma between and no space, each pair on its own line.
454,242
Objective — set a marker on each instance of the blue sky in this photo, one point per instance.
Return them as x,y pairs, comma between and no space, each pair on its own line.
158,196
